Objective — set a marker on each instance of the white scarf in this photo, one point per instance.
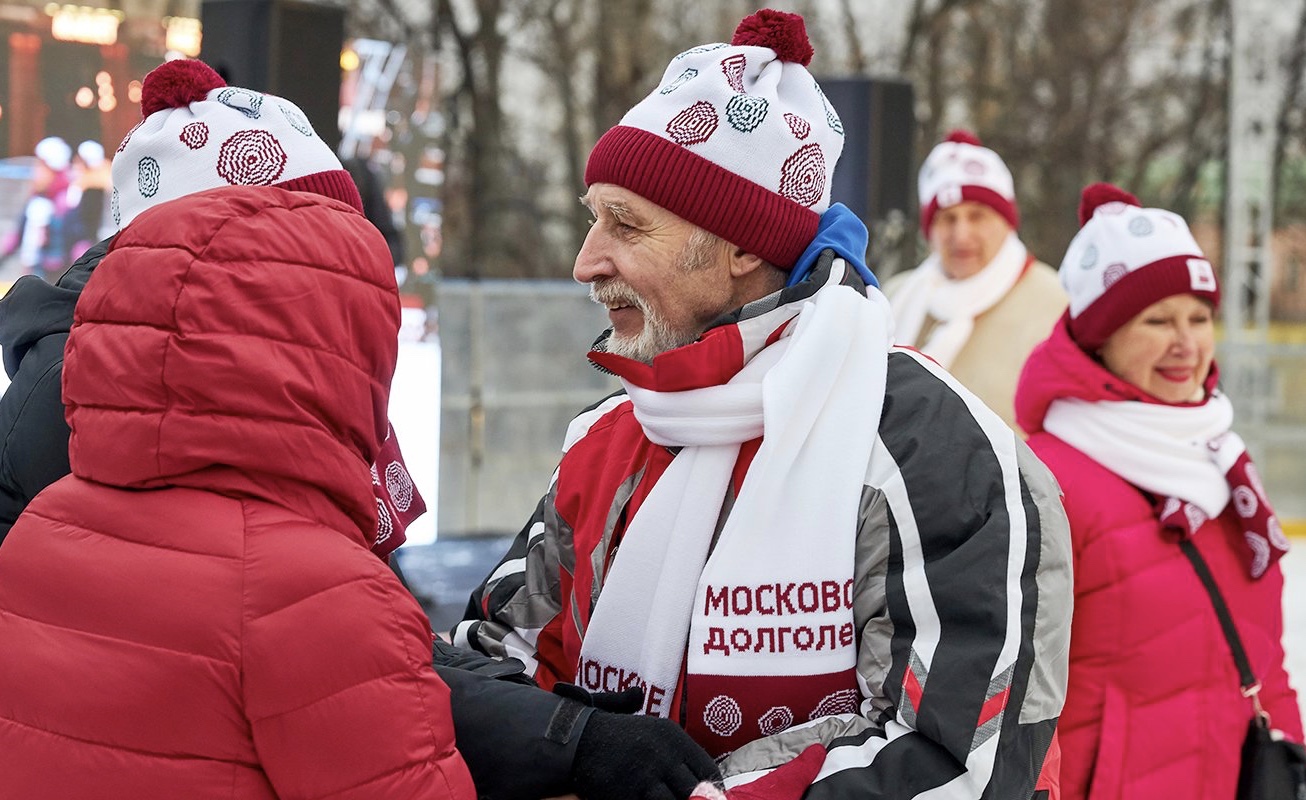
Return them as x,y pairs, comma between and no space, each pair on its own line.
1185,455
816,394
1166,450
929,293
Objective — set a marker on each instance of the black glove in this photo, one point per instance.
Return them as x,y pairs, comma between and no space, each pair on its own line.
444,654
627,702
622,757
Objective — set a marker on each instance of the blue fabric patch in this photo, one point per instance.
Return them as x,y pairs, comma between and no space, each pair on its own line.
841,231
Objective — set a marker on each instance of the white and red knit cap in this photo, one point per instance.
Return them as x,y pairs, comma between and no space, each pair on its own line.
197,133
738,139
1124,259
960,169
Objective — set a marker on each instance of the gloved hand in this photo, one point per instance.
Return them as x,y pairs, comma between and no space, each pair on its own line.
444,654
622,757
787,782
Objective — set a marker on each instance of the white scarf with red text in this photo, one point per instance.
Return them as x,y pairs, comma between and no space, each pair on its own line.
785,556
929,293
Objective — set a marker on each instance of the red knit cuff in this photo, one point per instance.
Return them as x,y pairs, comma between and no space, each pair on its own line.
336,184
743,213
975,194
1132,293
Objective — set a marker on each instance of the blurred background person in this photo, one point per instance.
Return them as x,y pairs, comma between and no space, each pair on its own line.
91,179
1122,404
39,235
980,301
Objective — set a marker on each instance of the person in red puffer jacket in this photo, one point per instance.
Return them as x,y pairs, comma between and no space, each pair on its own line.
195,612
1123,406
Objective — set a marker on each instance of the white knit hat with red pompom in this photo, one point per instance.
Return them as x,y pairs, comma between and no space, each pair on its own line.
197,133
1124,259
738,139
960,169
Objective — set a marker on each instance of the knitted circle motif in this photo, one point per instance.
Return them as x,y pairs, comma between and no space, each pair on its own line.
399,485
798,126
733,67
723,716
1254,478
1089,258
688,75
195,135
745,112
1112,274
694,125
1275,530
776,719
706,48
831,118
1196,517
116,209
1260,548
384,526
243,100
251,158
376,479
1245,502
843,701
1140,226
973,167
296,119
147,176
802,178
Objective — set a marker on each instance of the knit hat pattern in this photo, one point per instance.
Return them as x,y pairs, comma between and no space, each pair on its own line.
737,138
960,169
197,133
1124,259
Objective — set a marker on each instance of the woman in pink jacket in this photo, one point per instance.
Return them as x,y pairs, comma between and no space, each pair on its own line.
1122,405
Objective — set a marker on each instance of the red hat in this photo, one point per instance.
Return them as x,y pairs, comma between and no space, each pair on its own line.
198,133
1124,259
960,169
738,139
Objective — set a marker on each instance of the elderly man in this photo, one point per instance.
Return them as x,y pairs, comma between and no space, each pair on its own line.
980,302
820,555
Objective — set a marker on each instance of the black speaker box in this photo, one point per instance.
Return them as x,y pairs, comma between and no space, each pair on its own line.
289,49
877,171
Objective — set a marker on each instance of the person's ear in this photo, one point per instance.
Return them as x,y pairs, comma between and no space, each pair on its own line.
743,263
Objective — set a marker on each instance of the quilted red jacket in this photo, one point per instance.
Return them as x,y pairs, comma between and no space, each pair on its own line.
194,612
1153,707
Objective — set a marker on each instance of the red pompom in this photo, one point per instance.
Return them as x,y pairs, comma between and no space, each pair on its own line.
1098,194
962,136
779,30
174,84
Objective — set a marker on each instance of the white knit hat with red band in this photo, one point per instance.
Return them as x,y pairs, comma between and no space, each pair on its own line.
738,139
198,133
960,169
1124,259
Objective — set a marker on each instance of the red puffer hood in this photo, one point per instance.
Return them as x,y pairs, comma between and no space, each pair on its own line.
240,340
1058,368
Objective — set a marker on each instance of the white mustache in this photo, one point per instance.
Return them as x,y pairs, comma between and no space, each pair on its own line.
613,293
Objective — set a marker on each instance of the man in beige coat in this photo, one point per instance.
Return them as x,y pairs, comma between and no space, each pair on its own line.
980,302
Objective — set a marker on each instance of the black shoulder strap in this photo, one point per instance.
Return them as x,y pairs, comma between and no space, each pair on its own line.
1222,611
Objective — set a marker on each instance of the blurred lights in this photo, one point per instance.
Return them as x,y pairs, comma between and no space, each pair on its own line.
84,97
349,59
134,92
70,23
183,34
108,103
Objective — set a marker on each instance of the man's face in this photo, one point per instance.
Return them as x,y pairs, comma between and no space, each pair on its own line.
662,279
967,236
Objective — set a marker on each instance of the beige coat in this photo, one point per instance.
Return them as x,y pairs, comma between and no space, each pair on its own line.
989,363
